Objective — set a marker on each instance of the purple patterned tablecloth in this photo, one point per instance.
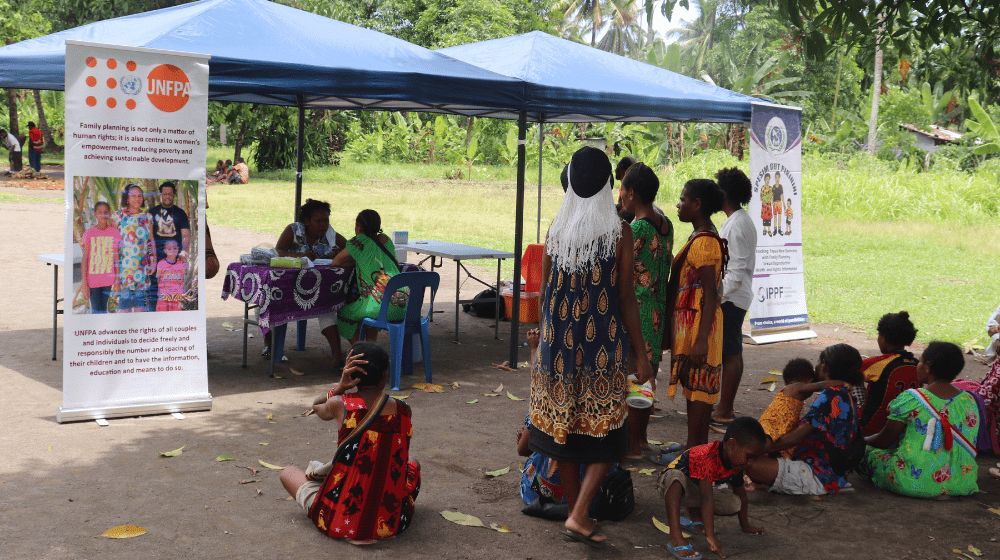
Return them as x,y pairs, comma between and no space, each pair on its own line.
286,295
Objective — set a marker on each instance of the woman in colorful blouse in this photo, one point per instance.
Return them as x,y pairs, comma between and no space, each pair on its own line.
137,252
824,434
925,449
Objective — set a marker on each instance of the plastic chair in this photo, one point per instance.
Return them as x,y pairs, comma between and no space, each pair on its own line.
401,333
531,267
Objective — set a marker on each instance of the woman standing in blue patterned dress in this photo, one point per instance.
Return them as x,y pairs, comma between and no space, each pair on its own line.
590,320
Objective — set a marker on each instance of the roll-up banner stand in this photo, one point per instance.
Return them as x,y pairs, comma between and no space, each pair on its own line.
134,337
778,311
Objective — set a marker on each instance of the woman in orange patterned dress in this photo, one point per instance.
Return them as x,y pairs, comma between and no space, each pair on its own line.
369,492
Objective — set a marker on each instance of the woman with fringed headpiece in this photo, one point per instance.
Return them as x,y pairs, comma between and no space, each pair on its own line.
590,321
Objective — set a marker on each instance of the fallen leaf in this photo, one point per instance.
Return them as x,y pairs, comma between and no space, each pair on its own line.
270,417
663,527
263,443
504,367
455,385
647,472
960,553
429,388
258,491
497,473
654,442
270,466
252,470
228,326
459,518
633,469
307,413
499,389
173,453
975,550
772,387
222,458
249,481
295,371
491,394
123,532
512,397
500,528
768,380
994,510
272,422
404,397
473,401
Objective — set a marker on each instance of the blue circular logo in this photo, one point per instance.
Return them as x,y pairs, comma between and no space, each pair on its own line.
130,85
776,137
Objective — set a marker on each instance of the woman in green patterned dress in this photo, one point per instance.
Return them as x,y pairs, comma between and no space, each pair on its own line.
373,257
927,449
653,241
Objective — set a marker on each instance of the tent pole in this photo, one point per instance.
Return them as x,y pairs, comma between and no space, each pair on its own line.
515,317
299,156
538,222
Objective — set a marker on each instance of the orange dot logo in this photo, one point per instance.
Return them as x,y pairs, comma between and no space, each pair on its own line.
130,65
112,83
112,103
91,81
112,63
169,88
130,104
91,61
91,100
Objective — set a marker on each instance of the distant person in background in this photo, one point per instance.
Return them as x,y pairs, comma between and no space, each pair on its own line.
35,147
100,244
737,291
10,142
240,174
170,223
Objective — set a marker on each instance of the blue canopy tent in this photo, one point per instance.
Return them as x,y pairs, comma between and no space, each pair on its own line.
570,82
264,52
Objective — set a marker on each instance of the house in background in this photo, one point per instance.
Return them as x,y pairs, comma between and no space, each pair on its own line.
933,140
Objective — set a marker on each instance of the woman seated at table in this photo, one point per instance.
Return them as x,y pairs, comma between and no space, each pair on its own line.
312,236
373,257
925,448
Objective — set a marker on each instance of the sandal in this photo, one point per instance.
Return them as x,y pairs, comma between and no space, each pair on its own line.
696,527
995,472
572,536
671,447
664,459
686,547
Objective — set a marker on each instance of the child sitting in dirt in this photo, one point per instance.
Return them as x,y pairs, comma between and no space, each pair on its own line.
347,498
692,478
782,415
541,488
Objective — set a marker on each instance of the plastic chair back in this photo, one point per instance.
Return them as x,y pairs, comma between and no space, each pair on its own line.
417,282
531,267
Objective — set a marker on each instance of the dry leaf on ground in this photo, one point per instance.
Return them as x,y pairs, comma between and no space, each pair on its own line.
500,528
270,466
499,389
429,387
222,458
173,453
473,401
455,385
666,528
497,473
512,397
123,532
460,518
491,394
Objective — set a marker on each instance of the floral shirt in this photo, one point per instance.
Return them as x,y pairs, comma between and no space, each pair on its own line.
705,462
137,249
834,418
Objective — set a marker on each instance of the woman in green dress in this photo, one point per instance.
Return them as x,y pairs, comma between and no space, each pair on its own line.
925,448
653,242
373,257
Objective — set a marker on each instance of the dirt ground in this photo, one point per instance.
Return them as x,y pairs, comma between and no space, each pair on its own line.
63,484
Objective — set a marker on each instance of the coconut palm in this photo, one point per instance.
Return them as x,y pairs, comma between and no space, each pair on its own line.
583,13
624,30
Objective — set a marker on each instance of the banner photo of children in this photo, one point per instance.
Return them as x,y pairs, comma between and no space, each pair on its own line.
139,241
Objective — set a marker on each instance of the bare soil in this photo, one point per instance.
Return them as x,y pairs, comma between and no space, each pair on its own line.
63,484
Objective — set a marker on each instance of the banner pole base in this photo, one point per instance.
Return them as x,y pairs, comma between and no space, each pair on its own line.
103,412
761,338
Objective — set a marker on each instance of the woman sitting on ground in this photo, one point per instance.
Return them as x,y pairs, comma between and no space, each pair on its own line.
368,493
373,257
312,236
926,448
821,438
891,373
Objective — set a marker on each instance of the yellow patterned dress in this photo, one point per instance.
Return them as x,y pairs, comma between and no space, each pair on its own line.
702,383
781,417
577,405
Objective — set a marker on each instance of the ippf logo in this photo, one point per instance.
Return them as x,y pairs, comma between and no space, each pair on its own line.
771,292
168,88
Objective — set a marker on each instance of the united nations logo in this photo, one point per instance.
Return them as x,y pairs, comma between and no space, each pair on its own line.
776,136
130,85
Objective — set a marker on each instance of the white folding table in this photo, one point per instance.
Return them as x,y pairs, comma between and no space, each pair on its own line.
437,251
56,260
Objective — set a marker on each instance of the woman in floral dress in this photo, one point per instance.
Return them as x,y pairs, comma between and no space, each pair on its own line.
925,449
137,251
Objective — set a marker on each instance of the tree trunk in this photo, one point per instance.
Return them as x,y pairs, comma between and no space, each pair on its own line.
468,132
876,93
43,124
12,112
836,92
242,134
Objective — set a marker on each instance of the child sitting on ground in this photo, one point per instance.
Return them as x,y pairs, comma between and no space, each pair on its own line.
890,373
348,498
170,279
692,478
782,415
541,488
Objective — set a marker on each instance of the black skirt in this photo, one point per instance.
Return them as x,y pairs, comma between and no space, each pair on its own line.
580,448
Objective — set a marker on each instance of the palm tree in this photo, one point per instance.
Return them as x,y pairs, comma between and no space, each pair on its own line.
583,13
624,34
697,35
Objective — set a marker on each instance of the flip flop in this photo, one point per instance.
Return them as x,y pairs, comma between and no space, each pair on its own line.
691,526
572,536
664,459
719,423
672,447
674,549
995,472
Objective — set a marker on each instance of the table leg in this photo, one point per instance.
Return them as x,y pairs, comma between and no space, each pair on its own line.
496,328
55,308
246,316
458,287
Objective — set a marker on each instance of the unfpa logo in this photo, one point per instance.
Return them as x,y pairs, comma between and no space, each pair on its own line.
168,88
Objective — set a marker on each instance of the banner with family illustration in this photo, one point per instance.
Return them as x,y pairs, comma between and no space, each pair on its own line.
778,311
134,337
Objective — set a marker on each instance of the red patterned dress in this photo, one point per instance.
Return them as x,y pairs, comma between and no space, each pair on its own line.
369,494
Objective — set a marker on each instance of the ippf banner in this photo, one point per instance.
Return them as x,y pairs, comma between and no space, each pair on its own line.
135,209
778,311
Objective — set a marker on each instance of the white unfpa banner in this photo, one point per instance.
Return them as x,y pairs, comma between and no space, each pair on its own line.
136,129
778,311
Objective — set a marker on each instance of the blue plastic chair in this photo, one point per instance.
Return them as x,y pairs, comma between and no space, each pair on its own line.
401,333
